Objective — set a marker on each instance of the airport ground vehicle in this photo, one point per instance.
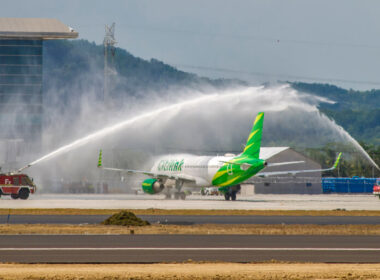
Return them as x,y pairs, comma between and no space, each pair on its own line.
211,191
16,185
376,188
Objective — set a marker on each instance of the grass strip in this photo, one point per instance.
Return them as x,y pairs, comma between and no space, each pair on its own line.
151,211
190,270
193,229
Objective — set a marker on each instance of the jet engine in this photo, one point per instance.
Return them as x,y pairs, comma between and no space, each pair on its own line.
152,186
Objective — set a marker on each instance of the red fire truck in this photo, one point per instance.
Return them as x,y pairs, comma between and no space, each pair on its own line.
16,185
376,188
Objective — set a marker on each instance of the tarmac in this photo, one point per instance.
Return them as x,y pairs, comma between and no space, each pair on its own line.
256,202
179,248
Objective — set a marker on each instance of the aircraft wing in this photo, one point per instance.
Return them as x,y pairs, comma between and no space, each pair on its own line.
151,174
293,172
131,171
182,177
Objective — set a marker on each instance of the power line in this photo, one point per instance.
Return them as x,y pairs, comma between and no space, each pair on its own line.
109,43
269,39
266,39
282,76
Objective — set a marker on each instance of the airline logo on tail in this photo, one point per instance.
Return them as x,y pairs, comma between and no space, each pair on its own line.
252,148
247,164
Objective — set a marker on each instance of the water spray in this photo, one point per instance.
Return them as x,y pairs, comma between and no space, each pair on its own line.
111,129
257,92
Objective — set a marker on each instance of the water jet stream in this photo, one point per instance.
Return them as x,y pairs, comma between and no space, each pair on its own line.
284,96
111,129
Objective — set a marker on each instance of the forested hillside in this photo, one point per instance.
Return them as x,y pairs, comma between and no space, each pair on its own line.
72,68
358,112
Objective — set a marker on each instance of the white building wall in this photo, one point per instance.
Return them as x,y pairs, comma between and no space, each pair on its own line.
247,190
303,183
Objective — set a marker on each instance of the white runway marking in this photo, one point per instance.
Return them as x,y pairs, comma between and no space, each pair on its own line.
256,202
188,249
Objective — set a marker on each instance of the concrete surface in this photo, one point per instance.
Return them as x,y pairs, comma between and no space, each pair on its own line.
262,201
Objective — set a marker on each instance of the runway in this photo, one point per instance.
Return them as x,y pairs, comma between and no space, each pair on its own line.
255,202
196,219
170,248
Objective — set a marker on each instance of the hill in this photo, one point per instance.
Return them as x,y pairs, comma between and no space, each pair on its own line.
358,112
77,66
73,72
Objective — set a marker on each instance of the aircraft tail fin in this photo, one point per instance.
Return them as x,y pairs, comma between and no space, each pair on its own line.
252,148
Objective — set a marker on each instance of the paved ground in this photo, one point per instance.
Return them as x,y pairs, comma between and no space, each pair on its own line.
165,248
195,219
268,201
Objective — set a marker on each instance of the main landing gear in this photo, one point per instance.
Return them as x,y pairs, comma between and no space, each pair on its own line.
178,194
231,193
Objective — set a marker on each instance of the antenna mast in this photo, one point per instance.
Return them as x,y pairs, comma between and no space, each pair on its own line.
109,43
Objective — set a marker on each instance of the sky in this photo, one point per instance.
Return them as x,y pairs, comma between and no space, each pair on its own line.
328,41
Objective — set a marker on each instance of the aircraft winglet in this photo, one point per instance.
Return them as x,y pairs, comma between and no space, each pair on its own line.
100,159
337,161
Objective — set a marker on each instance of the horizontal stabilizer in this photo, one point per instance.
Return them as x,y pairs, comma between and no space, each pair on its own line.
284,163
294,172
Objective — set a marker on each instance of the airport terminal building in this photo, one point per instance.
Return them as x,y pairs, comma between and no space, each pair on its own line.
21,82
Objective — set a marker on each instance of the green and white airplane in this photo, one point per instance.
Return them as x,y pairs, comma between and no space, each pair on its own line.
173,172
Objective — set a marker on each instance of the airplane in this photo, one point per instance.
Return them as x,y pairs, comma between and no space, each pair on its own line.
173,172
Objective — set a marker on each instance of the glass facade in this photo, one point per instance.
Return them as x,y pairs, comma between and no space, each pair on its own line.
21,107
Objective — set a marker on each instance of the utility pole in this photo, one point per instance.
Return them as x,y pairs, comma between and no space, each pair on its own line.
109,43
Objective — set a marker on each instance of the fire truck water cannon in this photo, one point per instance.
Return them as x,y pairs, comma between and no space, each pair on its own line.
25,167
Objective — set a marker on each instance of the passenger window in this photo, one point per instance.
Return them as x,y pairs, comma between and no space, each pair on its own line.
16,181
